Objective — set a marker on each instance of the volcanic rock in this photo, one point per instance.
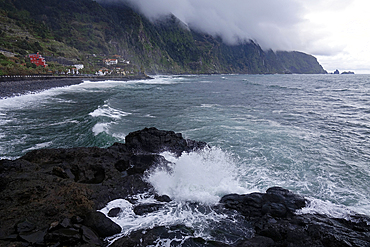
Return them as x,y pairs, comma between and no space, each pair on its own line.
147,208
276,224
101,224
50,197
151,140
59,185
114,212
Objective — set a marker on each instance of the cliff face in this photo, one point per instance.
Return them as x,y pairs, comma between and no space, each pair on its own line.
76,29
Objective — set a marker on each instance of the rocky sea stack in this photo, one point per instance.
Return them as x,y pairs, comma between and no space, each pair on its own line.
50,197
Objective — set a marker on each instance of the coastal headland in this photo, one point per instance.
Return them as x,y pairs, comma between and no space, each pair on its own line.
50,197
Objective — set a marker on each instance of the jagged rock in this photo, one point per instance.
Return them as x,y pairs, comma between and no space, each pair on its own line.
25,226
273,218
104,226
90,237
114,212
36,238
162,198
290,200
147,208
48,185
152,140
66,223
65,236
277,202
138,164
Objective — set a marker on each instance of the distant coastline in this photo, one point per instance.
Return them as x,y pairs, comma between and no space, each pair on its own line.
11,86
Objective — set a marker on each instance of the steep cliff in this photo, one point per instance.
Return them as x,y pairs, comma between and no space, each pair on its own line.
80,28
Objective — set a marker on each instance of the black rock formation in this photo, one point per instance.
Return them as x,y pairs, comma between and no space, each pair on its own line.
44,187
50,197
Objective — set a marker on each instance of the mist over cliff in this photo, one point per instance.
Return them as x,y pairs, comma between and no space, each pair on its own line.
161,36
272,24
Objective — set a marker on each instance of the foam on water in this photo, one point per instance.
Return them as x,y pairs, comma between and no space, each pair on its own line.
171,214
107,111
102,113
39,146
100,128
317,206
201,218
26,100
159,79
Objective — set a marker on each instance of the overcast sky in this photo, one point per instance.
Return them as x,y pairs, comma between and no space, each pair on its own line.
336,32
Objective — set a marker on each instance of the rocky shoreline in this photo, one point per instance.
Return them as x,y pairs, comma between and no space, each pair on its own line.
17,85
50,197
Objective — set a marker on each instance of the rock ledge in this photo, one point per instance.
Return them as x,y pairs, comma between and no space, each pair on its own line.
50,197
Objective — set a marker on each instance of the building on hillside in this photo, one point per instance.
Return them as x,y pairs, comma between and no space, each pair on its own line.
37,59
110,61
76,68
102,71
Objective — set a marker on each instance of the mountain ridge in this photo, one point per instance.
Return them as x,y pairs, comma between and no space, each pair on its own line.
76,30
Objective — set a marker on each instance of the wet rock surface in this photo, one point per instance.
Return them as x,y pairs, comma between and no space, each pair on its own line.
50,197
45,189
275,223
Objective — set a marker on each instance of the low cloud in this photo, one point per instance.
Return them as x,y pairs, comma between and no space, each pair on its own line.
272,24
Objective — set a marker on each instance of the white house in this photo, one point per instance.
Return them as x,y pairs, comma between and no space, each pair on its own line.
110,61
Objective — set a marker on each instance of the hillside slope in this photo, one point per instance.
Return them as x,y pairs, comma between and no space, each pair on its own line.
85,31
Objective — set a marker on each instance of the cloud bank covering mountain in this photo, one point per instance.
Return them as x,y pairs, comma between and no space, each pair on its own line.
327,29
270,23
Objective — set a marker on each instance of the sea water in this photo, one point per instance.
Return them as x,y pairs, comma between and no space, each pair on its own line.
306,133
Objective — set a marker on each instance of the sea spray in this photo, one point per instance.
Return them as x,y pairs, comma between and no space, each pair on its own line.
203,176
195,182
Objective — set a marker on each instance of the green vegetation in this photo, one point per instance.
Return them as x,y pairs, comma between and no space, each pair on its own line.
85,32
19,66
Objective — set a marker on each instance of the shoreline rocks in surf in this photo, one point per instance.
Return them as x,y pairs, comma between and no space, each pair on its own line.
51,197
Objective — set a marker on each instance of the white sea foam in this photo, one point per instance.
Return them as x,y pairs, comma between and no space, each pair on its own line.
119,136
27,100
203,176
4,121
209,105
100,128
171,214
164,79
317,206
198,217
108,111
39,146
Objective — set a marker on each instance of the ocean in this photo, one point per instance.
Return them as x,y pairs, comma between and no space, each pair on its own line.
306,133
